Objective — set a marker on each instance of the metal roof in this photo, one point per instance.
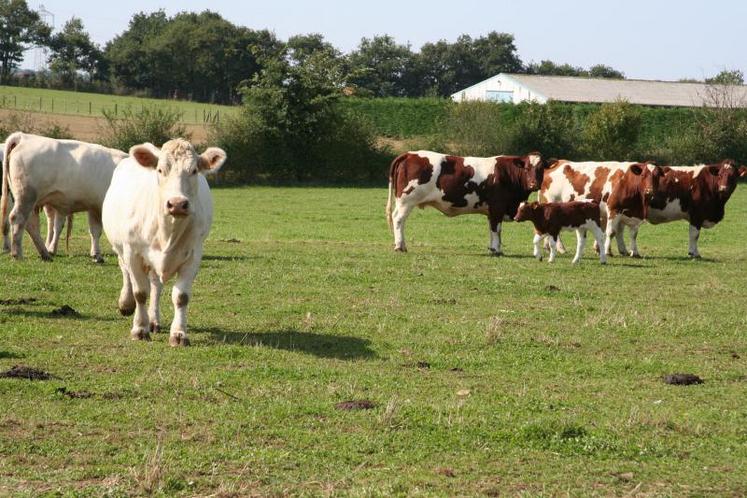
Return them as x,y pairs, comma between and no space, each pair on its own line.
661,93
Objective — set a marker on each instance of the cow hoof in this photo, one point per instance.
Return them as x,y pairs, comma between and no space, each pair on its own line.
176,341
496,254
126,311
636,256
694,256
46,256
400,249
98,260
140,335
155,327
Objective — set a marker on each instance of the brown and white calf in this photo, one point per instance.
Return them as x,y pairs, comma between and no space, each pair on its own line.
66,175
623,191
157,214
493,186
551,218
697,194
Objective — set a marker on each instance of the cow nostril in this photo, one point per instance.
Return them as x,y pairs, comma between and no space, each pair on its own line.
185,205
169,205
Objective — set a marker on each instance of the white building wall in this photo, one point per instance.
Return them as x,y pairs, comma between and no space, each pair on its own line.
500,88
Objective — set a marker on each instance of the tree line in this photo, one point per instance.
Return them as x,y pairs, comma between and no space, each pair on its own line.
203,57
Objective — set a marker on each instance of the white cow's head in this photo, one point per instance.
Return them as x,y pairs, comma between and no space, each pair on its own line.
177,166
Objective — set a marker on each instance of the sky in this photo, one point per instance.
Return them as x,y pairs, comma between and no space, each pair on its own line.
646,39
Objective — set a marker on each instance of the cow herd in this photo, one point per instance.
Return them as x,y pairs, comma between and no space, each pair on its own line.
154,205
603,197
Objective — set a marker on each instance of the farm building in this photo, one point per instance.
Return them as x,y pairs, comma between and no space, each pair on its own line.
517,88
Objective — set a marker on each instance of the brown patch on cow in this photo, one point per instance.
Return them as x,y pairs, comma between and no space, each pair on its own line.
362,404
550,218
455,180
628,195
597,185
406,168
680,379
141,297
29,373
577,179
182,300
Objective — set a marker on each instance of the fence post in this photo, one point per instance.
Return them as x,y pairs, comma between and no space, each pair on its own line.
90,107
53,105
116,109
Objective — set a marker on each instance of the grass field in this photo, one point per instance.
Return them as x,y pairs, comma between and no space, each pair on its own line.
93,104
491,376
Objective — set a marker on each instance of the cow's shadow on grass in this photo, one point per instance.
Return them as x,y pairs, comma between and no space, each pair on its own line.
320,345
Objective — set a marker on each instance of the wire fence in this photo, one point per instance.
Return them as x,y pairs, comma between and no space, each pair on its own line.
190,114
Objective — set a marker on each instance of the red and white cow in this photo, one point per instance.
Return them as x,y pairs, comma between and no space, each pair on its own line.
551,218
493,186
66,175
697,194
622,189
157,214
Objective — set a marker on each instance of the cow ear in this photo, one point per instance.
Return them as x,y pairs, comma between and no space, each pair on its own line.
666,170
714,170
211,160
636,169
145,154
743,171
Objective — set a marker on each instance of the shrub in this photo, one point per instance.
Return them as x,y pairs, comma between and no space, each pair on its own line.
612,132
28,122
292,128
548,128
156,125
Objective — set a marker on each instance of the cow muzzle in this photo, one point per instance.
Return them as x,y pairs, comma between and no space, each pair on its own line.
178,207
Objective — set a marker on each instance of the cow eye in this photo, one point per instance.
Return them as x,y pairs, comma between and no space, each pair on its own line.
194,172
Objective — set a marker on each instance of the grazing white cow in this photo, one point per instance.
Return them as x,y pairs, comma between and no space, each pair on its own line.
66,175
157,213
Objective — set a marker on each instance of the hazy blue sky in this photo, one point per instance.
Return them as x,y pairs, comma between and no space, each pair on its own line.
652,39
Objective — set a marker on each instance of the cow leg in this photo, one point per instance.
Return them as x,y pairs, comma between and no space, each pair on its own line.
560,245
495,226
599,242
154,309
613,227
126,302
580,243
34,230
6,237
180,296
95,228
694,236
141,287
620,238
634,241
553,248
538,246
57,222
399,216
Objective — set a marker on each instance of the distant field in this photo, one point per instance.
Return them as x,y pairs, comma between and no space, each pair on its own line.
93,104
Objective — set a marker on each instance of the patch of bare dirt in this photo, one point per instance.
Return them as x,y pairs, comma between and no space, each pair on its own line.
680,379
362,404
29,373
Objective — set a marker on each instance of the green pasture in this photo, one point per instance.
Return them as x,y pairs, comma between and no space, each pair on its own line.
489,376
94,104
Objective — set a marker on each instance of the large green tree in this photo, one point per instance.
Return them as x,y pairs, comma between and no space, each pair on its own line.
72,52
380,67
20,29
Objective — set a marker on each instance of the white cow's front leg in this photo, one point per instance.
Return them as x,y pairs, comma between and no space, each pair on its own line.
599,242
580,243
180,296
399,216
95,228
694,236
126,302
634,241
538,246
141,287
553,248
154,307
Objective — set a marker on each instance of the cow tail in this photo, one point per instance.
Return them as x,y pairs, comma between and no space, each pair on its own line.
10,143
69,231
390,200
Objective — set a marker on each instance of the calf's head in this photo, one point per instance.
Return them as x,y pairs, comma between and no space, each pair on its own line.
177,167
526,211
